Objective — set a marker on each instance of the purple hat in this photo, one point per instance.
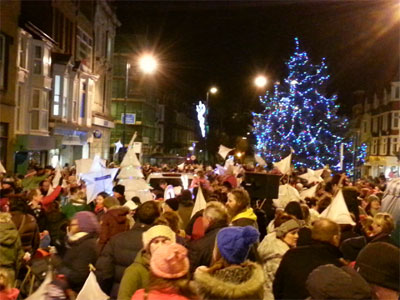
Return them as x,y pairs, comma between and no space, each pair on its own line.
87,222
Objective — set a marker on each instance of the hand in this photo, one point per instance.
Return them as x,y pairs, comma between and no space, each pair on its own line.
27,256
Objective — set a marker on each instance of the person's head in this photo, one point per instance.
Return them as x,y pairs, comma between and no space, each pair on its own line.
44,186
157,236
8,183
288,232
163,184
35,197
233,243
84,221
323,203
136,200
19,204
100,198
215,213
110,202
379,264
293,208
383,223
171,219
119,191
238,200
171,204
332,282
325,230
148,212
185,196
170,261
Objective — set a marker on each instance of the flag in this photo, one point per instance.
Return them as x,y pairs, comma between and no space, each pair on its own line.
2,170
309,192
57,177
97,182
181,166
91,290
313,176
41,292
223,151
284,164
130,145
185,181
259,160
200,202
220,170
118,145
337,211
287,193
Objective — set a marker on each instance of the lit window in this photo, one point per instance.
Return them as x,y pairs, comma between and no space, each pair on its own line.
57,95
37,60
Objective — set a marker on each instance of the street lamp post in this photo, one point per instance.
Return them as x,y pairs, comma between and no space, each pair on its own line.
147,64
212,90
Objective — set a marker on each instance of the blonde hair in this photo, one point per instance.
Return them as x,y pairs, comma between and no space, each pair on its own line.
6,278
385,221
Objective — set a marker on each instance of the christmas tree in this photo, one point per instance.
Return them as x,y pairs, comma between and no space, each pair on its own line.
299,114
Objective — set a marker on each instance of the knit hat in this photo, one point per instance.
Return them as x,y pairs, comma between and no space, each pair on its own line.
234,242
110,202
170,261
173,203
120,189
87,222
331,282
157,231
379,264
286,227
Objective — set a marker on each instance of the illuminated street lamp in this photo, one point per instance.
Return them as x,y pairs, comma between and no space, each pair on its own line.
260,81
148,65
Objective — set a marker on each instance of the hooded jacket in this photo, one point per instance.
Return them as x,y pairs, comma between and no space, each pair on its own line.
136,277
113,222
28,230
243,281
271,251
11,251
245,218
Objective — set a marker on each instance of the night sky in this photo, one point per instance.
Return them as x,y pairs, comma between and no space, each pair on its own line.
227,43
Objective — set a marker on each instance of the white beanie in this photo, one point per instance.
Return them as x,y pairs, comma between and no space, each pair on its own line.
157,231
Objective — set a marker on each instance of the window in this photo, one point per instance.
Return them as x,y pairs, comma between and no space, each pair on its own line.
57,95
395,120
2,61
393,146
84,47
22,51
383,147
39,110
65,98
397,92
82,112
75,101
37,60
384,122
18,106
374,147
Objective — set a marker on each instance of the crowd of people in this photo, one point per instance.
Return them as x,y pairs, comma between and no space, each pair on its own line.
236,247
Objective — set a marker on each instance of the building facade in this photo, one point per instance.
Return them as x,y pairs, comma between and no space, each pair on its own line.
63,82
378,126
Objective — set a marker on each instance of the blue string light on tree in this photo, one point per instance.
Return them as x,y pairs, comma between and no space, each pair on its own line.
299,114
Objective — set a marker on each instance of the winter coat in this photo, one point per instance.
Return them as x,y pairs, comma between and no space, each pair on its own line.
10,294
113,222
243,281
28,230
136,276
117,255
81,251
70,209
158,295
56,223
245,218
297,264
271,251
201,250
11,252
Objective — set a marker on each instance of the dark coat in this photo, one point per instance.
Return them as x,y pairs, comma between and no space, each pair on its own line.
297,264
201,250
113,222
76,260
117,255
28,230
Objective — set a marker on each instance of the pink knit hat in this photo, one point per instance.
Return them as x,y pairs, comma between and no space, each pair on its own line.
170,261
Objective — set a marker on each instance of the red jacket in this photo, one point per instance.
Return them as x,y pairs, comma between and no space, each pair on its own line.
47,200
